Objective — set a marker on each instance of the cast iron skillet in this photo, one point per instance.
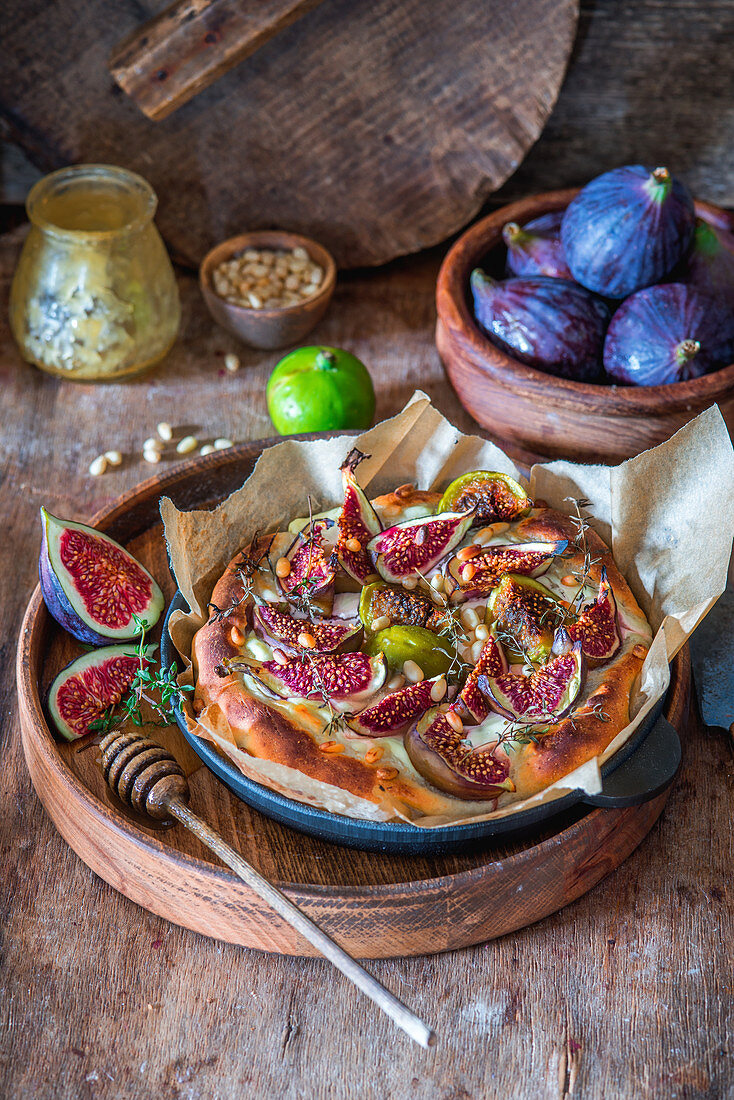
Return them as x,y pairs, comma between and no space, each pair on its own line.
640,770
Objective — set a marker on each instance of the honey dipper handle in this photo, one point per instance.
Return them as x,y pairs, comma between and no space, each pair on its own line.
285,908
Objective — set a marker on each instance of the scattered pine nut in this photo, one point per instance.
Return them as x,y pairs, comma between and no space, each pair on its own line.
386,773
331,747
231,363
279,657
410,583
468,552
639,651
306,640
282,567
114,458
469,617
570,581
476,651
353,545
413,672
165,431
481,633
187,444
238,638
152,444
255,302
437,582
498,528
151,456
373,755
223,444
207,449
454,721
98,467
395,682
468,571
438,690
482,537
380,622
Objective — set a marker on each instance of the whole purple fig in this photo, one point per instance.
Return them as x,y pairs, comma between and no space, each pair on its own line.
533,252
552,324
627,229
549,224
668,333
710,266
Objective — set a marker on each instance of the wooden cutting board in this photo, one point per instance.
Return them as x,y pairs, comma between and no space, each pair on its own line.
378,128
376,905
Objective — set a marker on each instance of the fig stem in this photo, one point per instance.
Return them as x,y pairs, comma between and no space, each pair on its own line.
687,350
659,184
325,360
512,233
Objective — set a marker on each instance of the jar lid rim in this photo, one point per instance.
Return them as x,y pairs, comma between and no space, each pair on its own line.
113,173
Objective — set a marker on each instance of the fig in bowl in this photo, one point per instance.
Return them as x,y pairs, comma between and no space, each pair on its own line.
535,251
710,265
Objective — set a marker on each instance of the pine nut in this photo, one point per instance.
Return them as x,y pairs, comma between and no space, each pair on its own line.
410,583
282,567
152,444
331,747
165,431
353,545
152,456
316,276
306,640
485,535
238,638
481,633
254,301
231,363
207,449
469,617
468,571
279,657
438,690
386,773
413,672
114,458
380,622
223,444
454,721
187,444
500,527
437,582
476,651
373,755
299,253
98,467
468,552
640,651
395,682
570,581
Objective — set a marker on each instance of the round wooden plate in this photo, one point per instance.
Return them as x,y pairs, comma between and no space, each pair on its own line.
375,905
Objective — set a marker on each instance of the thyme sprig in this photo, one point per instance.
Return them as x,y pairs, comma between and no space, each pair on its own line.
581,543
453,629
155,686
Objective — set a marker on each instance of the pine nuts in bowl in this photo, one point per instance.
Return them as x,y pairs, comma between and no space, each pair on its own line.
268,287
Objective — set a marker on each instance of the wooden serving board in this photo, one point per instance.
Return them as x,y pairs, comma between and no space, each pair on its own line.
377,128
375,905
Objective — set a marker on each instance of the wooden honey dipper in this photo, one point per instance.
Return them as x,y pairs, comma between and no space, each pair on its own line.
145,776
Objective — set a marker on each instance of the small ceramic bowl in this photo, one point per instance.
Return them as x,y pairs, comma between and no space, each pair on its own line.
268,328
536,414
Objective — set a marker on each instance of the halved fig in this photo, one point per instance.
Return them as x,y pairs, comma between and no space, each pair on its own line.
385,601
310,582
480,574
83,691
472,702
283,630
596,626
349,681
548,693
91,585
492,495
358,523
525,614
394,711
418,545
434,654
448,761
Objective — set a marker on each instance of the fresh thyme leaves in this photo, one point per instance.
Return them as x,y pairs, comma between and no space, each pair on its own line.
582,525
156,687
453,629
245,568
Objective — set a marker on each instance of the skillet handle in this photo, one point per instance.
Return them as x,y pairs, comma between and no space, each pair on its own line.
649,770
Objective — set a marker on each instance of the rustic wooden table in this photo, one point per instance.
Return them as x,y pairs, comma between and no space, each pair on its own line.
626,993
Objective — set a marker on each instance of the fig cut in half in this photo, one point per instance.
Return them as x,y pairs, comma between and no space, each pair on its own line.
358,523
392,713
310,583
596,626
349,681
525,614
401,607
83,691
492,495
472,701
548,693
282,629
480,574
91,585
449,762
418,545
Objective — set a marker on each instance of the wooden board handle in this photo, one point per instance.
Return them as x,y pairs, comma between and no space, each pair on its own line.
174,56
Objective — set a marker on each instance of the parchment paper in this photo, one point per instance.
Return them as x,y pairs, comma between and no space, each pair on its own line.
668,516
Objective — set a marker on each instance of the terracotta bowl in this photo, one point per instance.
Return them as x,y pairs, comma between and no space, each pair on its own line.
536,412
268,328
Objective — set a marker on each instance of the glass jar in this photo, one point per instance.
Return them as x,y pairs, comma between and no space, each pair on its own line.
94,296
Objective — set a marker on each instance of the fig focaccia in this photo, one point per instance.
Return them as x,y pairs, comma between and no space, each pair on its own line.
421,655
